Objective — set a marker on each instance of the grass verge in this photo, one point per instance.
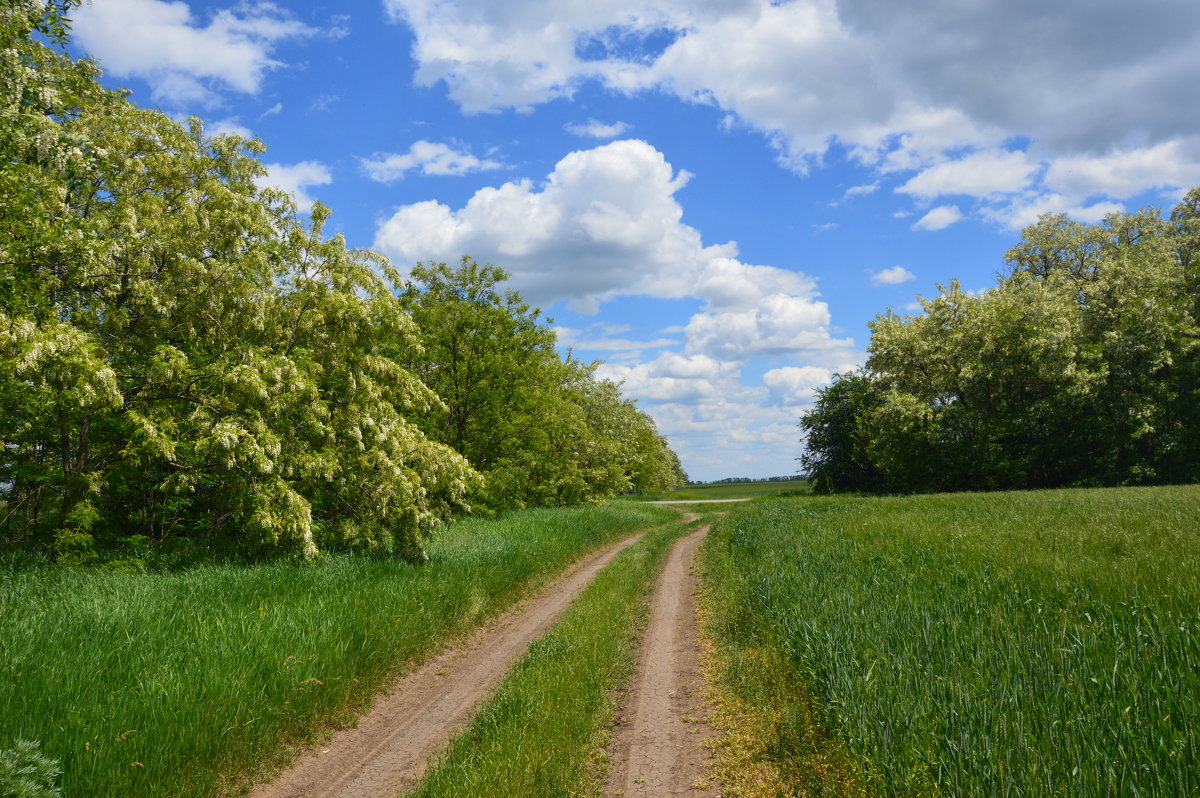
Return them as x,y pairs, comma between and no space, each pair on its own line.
538,736
1037,643
179,684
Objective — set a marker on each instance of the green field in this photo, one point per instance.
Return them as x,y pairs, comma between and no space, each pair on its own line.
729,490
174,684
1036,643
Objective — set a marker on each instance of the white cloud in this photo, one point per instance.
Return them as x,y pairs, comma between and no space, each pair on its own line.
597,130
274,109
606,223
580,341
861,191
1025,211
227,125
939,218
980,174
902,87
893,276
295,179
182,60
1127,172
430,157
672,377
796,385
339,27
777,324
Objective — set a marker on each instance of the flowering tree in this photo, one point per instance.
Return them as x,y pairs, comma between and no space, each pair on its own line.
180,354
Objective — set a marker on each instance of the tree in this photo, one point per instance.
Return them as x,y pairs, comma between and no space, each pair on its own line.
540,428
1078,368
835,456
180,355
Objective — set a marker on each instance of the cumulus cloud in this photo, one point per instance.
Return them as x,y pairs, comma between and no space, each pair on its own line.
777,324
606,223
295,179
597,130
893,276
900,86
430,158
978,175
673,377
939,218
182,59
796,385
1170,165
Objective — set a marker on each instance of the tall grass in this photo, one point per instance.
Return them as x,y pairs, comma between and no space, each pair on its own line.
1041,643
177,684
537,735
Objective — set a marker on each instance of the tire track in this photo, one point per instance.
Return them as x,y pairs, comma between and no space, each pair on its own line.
389,749
658,748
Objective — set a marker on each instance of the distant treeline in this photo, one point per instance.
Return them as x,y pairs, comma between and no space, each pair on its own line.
729,480
186,360
1081,367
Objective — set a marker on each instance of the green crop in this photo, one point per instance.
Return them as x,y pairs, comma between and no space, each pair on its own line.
1035,643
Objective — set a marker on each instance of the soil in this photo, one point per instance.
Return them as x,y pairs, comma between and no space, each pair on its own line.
387,752
659,745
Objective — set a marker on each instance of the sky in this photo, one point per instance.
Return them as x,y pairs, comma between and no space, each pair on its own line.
713,197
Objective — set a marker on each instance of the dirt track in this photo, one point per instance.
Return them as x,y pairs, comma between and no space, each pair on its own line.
658,747
388,751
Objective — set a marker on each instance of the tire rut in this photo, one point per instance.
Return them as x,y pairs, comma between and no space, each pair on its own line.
389,749
658,748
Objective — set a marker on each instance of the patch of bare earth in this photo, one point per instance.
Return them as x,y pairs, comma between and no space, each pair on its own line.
659,747
387,752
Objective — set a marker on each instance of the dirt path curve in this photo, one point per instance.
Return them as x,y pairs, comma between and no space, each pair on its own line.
658,746
389,748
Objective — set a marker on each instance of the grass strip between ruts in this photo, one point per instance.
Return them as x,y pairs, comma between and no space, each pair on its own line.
182,683
541,733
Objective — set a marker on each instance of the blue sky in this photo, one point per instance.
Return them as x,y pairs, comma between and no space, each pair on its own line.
714,197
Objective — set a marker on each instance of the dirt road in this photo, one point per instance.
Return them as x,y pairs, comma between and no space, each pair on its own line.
658,747
387,752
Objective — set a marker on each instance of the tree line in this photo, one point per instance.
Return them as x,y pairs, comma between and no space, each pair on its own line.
185,359
1080,367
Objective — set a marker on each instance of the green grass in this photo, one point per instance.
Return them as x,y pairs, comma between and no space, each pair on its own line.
729,490
537,736
177,684
1036,643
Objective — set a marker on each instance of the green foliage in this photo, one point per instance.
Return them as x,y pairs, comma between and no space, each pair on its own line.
217,668
835,455
180,355
542,429
183,357
1024,643
1082,367
27,773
